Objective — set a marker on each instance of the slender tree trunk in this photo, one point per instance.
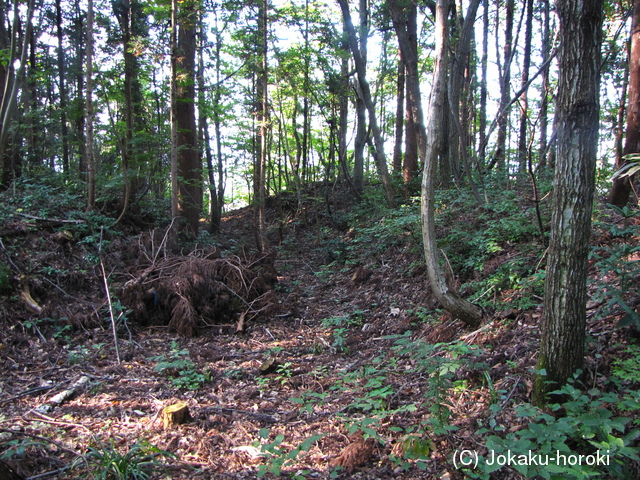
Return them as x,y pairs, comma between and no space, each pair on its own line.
63,90
262,108
505,88
564,321
91,162
621,190
458,307
79,120
381,161
546,88
523,148
482,154
399,123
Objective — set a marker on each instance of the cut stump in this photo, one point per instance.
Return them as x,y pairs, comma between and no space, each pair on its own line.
175,414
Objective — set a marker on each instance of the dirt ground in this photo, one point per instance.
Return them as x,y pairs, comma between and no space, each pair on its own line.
282,387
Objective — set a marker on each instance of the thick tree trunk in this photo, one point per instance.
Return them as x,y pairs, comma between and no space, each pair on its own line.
578,109
621,190
189,165
458,307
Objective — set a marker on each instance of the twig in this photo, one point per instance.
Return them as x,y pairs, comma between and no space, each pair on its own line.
49,474
106,288
52,421
506,400
45,440
27,393
261,416
51,220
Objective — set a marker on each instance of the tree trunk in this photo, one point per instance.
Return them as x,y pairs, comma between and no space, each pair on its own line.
458,307
91,163
505,86
563,325
482,157
63,91
399,122
621,189
189,165
404,18
381,161
546,88
523,148
175,210
262,107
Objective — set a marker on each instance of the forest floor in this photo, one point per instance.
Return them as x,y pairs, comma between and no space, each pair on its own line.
343,367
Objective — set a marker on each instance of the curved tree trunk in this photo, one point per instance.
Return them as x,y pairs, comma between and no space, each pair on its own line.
458,307
381,161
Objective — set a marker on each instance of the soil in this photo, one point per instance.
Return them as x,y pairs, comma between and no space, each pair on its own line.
260,387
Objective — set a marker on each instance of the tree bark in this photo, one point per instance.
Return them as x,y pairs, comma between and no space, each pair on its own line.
399,122
91,163
458,307
381,161
546,88
262,107
505,86
621,189
483,86
523,149
63,91
189,165
563,325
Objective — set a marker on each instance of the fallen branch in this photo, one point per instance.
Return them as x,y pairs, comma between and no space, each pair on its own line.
57,399
106,288
51,220
261,416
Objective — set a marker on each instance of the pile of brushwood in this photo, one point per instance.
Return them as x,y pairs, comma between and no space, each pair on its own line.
202,290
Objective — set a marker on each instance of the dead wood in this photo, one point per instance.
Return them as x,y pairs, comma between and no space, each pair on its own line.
176,414
192,293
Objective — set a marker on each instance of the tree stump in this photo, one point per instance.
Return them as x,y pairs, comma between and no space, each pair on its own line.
175,414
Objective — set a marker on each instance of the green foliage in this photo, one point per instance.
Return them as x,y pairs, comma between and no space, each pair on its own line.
277,456
137,463
618,267
6,276
584,424
180,369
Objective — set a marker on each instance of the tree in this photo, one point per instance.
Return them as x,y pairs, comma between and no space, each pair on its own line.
189,165
262,109
404,17
621,189
91,162
577,111
63,90
431,150
381,161
505,89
